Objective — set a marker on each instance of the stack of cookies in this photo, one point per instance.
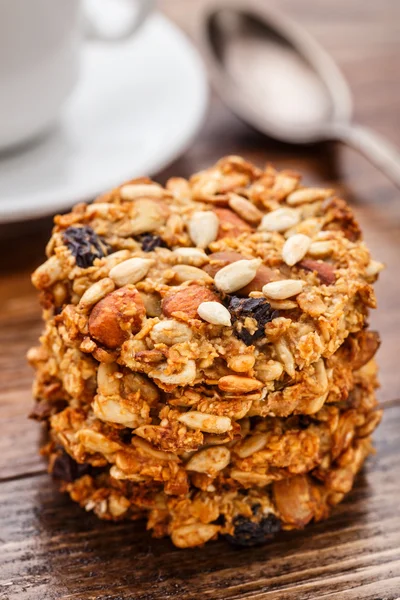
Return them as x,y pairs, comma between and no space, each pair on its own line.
205,362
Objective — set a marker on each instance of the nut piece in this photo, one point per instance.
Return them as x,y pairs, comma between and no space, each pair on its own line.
295,248
152,303
320,249
115,410
286,288
107,384
149,215
308,195
185,377
235,276
130,271
241,363
170,332
97,442
191,256
210,460
132,191
324,270
187,300
252,444
374,268
189,273
203,228
280,220
215,313
367,346
293,498
196,534
205,422
245,209
218,260
47,274
237,384
114,317
96,292
230,224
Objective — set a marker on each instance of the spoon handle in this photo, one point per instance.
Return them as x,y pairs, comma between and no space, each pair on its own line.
377,149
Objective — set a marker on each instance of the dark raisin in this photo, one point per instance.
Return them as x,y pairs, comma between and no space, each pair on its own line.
253,533
67,469
150,241
44,409
125,436
304,421
258,309
85,245
219,521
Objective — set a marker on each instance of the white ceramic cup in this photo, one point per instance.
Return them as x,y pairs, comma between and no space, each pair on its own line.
40,46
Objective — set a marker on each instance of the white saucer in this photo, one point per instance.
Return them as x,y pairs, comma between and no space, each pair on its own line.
137,107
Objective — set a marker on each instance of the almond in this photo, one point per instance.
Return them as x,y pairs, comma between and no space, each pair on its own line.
187,300
364,348
230,225
264,274
294,500
116,315
324,270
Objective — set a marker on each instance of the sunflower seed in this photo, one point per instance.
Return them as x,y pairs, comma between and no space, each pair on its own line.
279,220
96,292
209,460
97,442
239,385
191,256
285,288
236,275
215,313
252,444
308,195
130,271
196,534
189,273
184,377
170,332
245,209
295,248
206,422
203,228
320,249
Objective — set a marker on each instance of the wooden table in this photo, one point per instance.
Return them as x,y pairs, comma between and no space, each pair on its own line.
51,549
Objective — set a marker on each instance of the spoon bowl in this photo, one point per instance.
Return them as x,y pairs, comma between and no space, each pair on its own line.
276,77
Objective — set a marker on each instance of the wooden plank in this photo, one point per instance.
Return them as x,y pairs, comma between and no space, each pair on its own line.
50,546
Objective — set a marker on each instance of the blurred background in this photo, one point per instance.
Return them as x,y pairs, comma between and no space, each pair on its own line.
363,37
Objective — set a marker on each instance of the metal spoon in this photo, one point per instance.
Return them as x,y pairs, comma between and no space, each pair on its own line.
276,77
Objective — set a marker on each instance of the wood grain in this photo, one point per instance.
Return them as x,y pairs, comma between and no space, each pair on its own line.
50,549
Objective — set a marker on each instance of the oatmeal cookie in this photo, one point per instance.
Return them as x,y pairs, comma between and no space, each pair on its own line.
281,474
205,340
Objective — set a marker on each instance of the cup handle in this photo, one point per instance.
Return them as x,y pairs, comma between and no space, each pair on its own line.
93,31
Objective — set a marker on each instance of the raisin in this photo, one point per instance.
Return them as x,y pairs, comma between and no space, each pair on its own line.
85,245
67,469
253,533
150,241
43,410
258,309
